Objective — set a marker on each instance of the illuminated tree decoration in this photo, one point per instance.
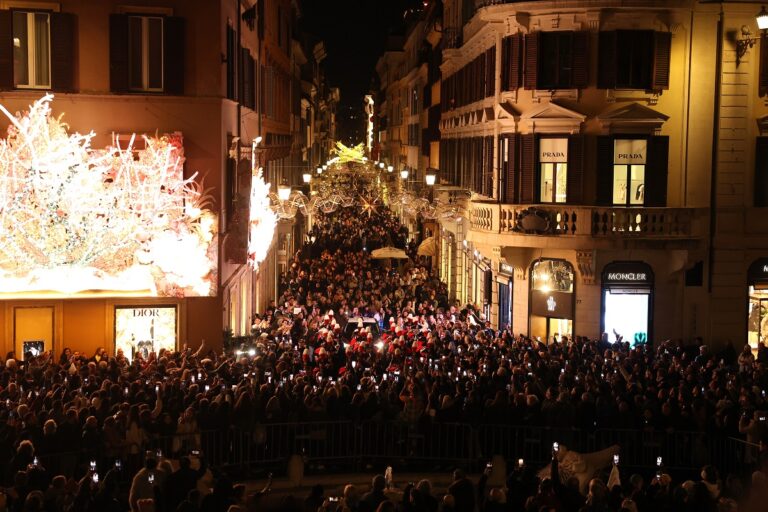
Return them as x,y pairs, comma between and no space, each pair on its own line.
80,221
262,220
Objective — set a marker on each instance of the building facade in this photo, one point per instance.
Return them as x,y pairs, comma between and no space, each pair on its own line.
614,156
219,74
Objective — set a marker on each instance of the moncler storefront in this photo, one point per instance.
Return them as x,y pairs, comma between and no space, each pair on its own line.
627,301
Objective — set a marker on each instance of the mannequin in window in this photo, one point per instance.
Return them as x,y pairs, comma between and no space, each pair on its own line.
640,192
623,193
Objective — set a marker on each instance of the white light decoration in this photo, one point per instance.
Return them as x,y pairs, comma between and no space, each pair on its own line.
346,154
262,220
306,177
369,127
77,221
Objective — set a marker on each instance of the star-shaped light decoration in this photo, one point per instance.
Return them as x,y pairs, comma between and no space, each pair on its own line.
369,205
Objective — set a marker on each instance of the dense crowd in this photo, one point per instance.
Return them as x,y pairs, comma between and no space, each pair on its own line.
356,338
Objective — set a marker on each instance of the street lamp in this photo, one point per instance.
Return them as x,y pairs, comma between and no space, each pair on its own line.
325,166
284,190
390,168
747,41
307,177
258,139
381,165
430,177
319,170
404,174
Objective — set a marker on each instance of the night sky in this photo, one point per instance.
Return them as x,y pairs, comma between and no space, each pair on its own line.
354,32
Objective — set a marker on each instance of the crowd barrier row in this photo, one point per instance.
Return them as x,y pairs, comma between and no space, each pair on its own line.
353,446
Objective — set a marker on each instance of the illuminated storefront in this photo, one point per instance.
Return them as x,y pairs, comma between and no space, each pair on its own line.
627,301
505,281
143,329
551,302
757,306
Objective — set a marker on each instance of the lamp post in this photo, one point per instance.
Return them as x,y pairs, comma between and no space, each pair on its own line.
390,168
284,190
307,177
430,177
747,41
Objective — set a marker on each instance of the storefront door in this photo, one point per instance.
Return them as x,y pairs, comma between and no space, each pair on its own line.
757,303
551,300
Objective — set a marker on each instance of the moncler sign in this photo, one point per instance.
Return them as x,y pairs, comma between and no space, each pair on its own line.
630,151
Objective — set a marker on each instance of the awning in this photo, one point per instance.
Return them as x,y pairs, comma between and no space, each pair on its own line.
428,247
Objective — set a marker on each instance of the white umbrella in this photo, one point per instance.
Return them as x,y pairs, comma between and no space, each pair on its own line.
389,252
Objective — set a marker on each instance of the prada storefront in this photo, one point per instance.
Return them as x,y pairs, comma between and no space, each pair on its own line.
551,300
627,301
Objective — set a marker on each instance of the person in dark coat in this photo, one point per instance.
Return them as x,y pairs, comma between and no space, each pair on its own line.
463,492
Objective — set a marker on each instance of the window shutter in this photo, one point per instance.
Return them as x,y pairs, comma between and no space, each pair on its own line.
575,185
661,60
173,61
6,50
488,286
508,145
580,76
531,60
515,62
606,68
490,71
62,51
605,170
488,167
528,168
763,77
761,171
118,53
656,171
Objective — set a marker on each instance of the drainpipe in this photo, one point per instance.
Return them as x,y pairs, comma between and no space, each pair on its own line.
715,149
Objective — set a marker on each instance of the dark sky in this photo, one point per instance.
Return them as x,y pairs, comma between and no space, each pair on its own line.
354,32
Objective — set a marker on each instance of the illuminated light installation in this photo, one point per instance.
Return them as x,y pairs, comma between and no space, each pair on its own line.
369,127
262,220
77,221
346,154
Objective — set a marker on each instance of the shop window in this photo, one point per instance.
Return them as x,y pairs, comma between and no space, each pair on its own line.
634,59
551,299
632,172
31,50
627,301
553,170
757,303
556,60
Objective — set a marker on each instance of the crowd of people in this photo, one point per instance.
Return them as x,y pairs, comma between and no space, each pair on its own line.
357,338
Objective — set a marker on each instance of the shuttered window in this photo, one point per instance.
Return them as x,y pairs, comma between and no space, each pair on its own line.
231,63
763,76
634,59
556,60
146,54
511,62
247,80
508,166
632,177
528,160
761,171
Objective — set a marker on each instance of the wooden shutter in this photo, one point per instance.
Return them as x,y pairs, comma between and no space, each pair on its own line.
508,149
606,65
580,75
656,170
531,60
575,182
763,77
490,71
6,50
761,171
662,48
604,170
528,159
118,53
63,32
488,286
247,78
515,62
173,48
488,167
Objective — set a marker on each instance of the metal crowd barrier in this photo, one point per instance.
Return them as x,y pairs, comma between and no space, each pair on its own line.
350,446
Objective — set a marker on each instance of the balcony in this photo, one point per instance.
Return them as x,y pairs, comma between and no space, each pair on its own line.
587,223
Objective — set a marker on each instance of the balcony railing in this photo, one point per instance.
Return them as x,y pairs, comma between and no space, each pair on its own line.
592,221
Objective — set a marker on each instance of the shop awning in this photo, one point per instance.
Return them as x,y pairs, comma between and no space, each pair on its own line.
428,247
389,252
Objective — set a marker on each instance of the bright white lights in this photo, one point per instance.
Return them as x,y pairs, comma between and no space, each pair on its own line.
404,174
79,221
307,177
262,220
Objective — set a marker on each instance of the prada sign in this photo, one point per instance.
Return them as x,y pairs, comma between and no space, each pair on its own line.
630,151
552,304
553,150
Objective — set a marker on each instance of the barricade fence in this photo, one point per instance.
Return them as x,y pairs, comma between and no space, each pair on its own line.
352,446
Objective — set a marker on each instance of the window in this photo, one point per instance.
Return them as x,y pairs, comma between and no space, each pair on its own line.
553,170
31,50
634,59
555,60
145,53
629,158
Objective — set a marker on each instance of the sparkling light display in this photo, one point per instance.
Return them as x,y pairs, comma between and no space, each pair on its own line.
346,154
262,220
77,221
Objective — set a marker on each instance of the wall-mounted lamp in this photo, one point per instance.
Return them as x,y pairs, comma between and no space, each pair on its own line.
430,177
404,174
307,177
284,190
390,168
747,41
